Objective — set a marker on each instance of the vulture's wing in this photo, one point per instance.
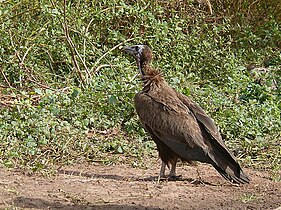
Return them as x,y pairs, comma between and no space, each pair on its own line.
174,124
224,160
186,129
207,123
201,116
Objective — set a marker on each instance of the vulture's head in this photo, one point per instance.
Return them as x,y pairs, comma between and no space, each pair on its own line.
142,54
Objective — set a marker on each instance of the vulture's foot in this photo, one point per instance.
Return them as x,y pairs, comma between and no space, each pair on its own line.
162,178
175,178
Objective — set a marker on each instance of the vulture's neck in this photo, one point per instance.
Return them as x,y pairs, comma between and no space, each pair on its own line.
151,76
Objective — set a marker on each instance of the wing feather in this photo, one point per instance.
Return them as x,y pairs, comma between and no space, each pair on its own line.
174,124
207,122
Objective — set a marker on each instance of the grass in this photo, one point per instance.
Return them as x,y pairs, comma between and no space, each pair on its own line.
67,90
247,198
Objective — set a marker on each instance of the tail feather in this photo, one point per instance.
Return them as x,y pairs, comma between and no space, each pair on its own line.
224,162
238,177
222,159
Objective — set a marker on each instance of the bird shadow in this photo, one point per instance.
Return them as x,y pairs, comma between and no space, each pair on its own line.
196,182
178,179
37,203
93,175
132,178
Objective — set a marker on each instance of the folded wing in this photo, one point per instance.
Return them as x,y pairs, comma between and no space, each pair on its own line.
185,128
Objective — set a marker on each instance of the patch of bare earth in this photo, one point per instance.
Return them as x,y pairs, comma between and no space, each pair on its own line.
123,187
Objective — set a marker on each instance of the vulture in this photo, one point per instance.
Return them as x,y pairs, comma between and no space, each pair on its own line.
180,128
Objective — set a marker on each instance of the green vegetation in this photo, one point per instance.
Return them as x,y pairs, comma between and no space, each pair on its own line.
67,90
246,198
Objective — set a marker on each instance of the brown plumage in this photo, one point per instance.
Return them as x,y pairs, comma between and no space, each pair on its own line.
179,127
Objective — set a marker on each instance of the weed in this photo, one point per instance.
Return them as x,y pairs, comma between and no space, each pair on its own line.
246,198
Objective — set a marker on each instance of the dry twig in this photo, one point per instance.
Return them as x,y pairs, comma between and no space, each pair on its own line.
105,54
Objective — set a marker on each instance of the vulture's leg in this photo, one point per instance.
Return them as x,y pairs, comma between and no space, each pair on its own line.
172,174
162,171
173,168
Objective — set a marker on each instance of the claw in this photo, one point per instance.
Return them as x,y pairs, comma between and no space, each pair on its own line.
175,178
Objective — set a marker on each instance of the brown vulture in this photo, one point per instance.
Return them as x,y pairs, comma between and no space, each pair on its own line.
179,127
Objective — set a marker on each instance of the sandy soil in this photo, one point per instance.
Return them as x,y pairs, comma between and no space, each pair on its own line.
123,187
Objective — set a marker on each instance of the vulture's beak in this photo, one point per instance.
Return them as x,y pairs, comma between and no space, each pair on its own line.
135,51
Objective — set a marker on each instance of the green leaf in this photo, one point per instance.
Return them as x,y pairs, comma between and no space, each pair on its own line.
112,100
75,93
38,91
120,150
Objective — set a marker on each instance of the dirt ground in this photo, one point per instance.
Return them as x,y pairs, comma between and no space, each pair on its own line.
123,187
